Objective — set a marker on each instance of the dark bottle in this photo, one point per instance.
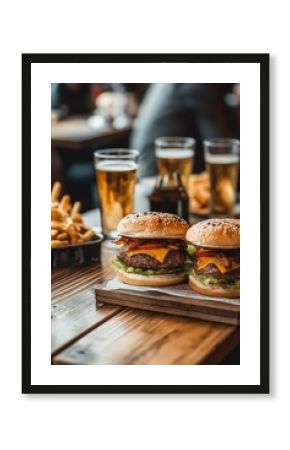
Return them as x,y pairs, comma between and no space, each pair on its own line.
169,195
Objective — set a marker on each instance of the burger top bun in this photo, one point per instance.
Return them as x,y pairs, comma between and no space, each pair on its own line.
153,225
215,233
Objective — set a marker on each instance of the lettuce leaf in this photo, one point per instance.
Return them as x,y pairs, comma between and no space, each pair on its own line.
208,280
121,265
191,250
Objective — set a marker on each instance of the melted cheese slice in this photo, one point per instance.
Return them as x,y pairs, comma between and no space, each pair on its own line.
206,260
157,253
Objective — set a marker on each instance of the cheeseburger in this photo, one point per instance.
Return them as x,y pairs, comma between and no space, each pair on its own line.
216,268
153,249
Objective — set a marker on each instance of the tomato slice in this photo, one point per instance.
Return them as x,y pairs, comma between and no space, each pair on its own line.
202,252
150,246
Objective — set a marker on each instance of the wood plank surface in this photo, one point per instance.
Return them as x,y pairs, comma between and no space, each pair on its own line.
76,316
142,337
74,310
84,332
159,302
69,281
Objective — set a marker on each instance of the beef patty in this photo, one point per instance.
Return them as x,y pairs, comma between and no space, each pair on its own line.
175,258
213,271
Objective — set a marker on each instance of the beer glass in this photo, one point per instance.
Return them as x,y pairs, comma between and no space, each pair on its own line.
116,173
175,154
222,157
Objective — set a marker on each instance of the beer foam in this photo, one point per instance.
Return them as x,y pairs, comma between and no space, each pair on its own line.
174,153
221,159
116,166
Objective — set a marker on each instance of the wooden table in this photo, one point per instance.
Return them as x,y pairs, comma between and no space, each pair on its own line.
86,333
76,133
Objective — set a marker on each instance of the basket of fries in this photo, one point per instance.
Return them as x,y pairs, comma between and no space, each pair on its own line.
199,194
73,243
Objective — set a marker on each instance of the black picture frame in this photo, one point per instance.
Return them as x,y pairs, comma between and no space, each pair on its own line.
263,61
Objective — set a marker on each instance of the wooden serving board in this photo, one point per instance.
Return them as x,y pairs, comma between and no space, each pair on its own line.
183,304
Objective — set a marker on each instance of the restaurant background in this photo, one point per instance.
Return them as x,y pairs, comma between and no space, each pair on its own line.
119,148
88,117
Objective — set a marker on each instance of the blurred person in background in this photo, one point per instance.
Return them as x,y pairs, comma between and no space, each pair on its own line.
199,110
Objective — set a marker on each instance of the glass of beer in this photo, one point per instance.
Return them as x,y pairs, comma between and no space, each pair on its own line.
222,158
116,174
175,154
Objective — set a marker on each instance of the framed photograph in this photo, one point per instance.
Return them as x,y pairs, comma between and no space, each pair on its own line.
157,276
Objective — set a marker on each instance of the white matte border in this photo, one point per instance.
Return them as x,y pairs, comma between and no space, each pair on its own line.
42,75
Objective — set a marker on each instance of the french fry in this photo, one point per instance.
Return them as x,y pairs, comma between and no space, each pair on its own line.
62,215
56,189
55,214
58,225
72,234
202,195
62,236
76,209
54,233
84,227
88,235
199,192
56,243
77,218
65,204
67,226
79,228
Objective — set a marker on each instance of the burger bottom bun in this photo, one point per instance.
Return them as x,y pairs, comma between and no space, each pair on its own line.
150,280
197,286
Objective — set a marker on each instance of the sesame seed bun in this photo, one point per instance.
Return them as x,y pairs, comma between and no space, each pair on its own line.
150,280
153,225
216,291
215,233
